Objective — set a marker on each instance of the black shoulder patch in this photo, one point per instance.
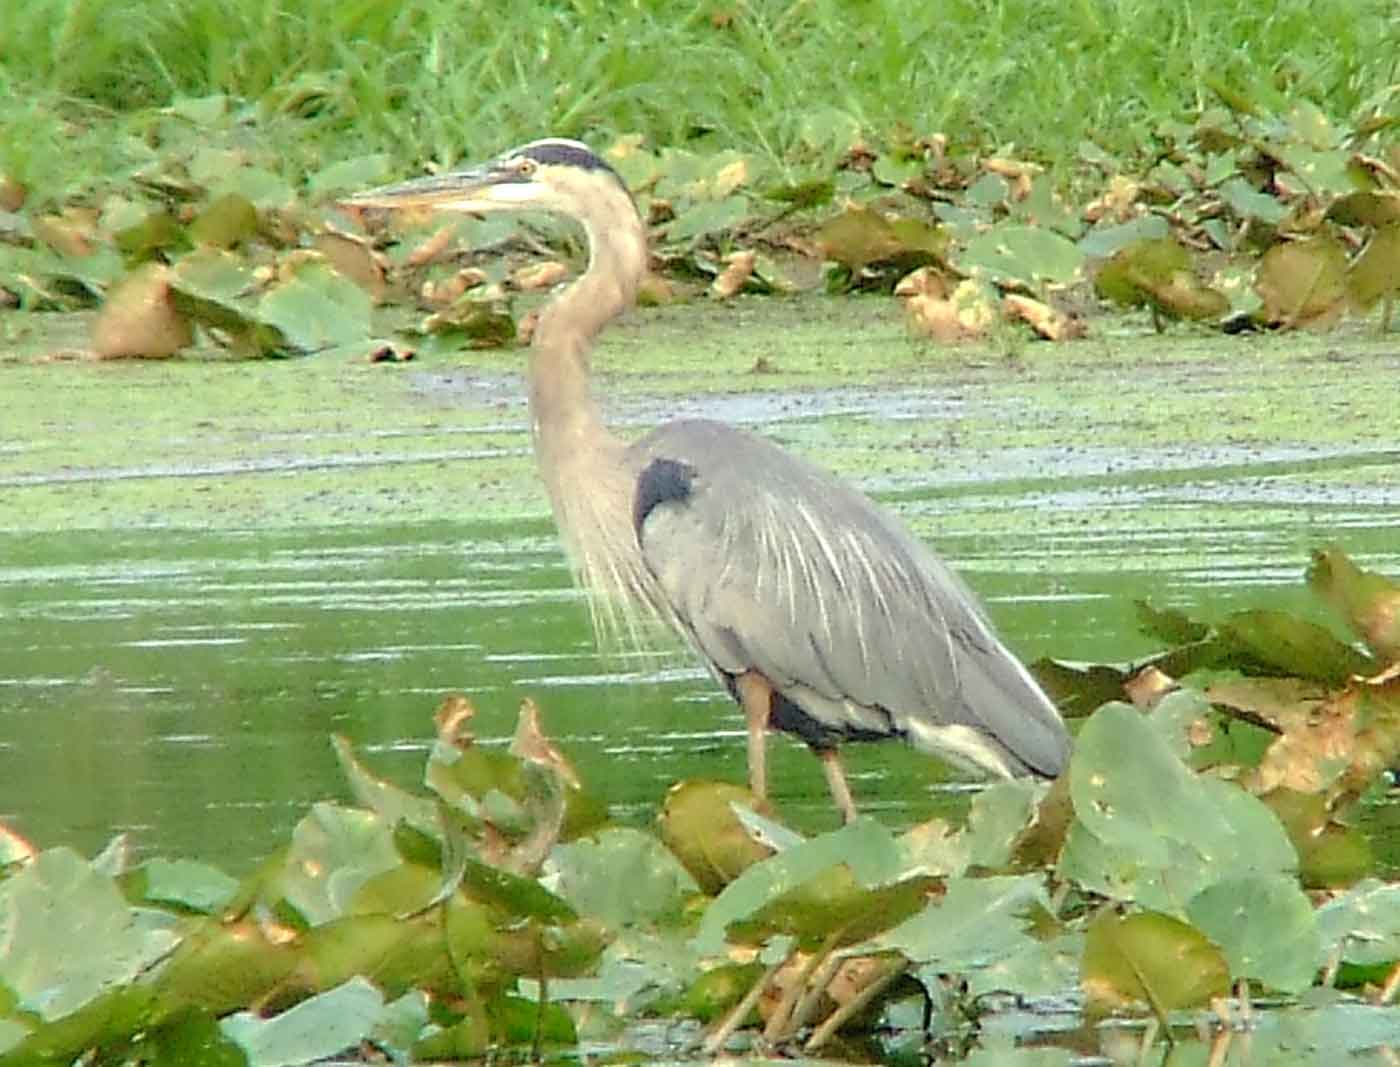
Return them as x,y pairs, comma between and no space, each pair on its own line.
661,480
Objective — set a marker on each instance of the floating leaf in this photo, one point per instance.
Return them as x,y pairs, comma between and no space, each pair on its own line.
708,217
830,907
1159,274
1369,602
1249,203
1375,274
140,318
315,1029
69,935
1302,283
622,877
334,851
1330,854
699,826
361,172
864,846
316,308
1363,925
1265,926
185,883
1277,642
1366,208
227,221
1148,828
1152,958
1028,255
860,236
977,923
1169,624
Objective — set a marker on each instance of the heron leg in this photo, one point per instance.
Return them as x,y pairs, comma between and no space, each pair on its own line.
836,782
756,695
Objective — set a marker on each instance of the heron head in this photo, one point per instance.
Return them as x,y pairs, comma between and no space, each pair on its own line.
548,175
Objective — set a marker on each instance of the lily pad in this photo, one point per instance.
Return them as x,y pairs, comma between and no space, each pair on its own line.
1150,958
1030,256
69,935
315,1029
1266,927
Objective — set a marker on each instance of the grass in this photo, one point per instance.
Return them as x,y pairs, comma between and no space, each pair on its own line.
438,80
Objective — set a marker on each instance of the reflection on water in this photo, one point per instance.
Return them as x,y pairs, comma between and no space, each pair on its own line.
182,685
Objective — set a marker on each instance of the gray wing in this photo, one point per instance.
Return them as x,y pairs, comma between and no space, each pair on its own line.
771,564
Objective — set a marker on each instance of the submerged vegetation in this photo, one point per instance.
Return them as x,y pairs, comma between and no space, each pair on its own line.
1200,854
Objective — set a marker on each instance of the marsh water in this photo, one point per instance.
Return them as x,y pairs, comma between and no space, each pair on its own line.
181,682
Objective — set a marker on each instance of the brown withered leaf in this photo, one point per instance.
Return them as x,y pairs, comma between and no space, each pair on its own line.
1267,702
1337,747
926,281
657,291
355,258
1117,203
444,293
1369,602
967,313
14,848
434,248
453,721
1049,322
531,745
1303,283
483,323
536,276
391,352
12,194
73,233
139,318
730,177
1148,686
738,268
1018,173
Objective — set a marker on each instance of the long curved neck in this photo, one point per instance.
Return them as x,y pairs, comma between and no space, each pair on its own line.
566,420
583,465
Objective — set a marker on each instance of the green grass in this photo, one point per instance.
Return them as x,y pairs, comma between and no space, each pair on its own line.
442,80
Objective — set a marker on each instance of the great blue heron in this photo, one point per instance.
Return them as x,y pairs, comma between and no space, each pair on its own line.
817,610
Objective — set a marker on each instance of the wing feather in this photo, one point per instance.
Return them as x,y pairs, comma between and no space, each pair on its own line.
772,564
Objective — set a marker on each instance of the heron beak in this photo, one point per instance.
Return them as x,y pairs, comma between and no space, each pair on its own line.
474,190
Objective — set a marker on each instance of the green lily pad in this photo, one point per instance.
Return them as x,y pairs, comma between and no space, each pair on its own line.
1266,927
1148,828
317,308
1276,642
315,1029
978,923
1152,958
184,883
1029,255
866,848
69,935
621,877
1363,925
334,852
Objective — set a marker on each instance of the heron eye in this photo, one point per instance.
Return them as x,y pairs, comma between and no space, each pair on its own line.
525,166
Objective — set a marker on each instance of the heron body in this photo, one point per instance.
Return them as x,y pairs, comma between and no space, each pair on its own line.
819,612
